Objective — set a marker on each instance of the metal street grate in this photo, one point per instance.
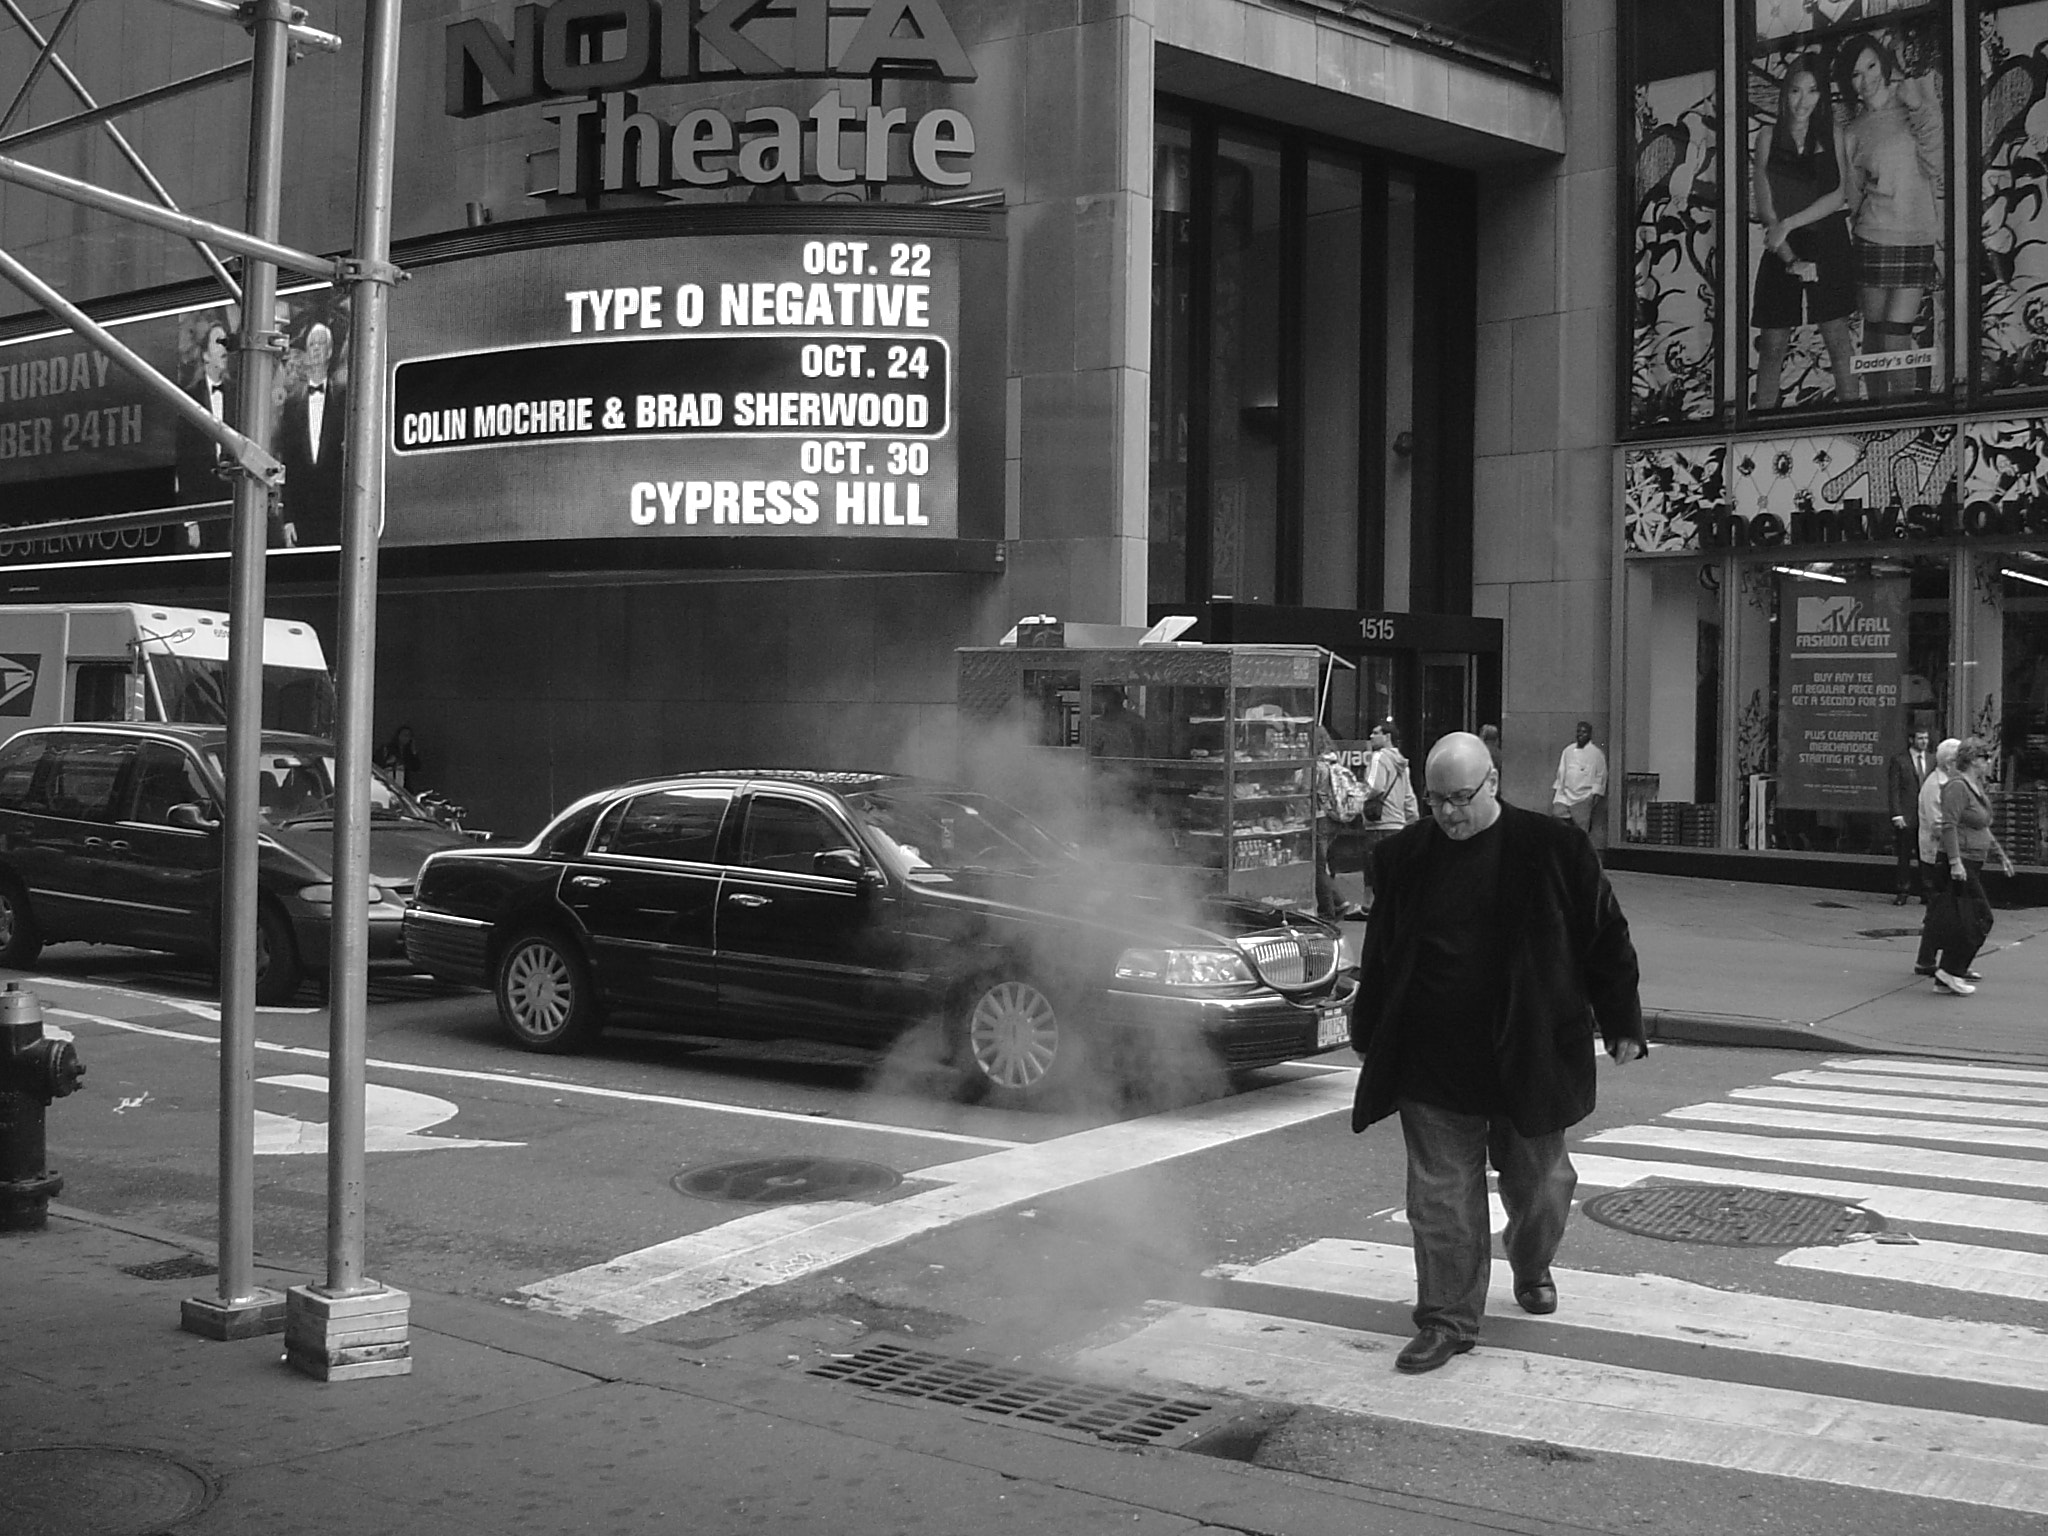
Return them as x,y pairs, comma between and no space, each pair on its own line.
1731,1216
1131,1418
787,1180
186,1266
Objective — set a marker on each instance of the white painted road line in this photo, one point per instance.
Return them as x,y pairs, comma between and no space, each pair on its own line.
1895,1202
551,1084
1764,1116
1659,1307
1591,1407
1954,1088
1911,1162
1882,1104
1912,1067
699,1270
1950,1266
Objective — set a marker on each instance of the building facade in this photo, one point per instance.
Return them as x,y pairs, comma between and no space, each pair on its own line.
1834,531
753,358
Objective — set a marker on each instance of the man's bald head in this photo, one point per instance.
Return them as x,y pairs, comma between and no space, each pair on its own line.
1463,785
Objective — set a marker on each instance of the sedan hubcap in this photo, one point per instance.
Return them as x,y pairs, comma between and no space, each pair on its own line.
537,986
1014,1034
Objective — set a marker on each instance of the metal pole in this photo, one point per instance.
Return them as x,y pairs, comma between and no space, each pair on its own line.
252,244
35,70
251,455
127,104
245,674
228,10
348,969
139,165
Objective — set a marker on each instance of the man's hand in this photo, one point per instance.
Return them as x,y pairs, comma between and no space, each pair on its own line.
1899,822
1628,1050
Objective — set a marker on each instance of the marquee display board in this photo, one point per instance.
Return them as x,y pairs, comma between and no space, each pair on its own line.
816,381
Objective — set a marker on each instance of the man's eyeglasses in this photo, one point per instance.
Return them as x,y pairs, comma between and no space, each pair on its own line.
1458,799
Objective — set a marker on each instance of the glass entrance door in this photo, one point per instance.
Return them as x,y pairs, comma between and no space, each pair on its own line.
1446,699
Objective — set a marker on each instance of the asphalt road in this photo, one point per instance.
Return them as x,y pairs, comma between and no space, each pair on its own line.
1241,1247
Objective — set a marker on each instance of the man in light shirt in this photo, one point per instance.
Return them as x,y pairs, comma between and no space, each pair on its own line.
1581,782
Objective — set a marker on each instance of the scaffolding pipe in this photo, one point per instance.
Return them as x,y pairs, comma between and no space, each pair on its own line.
227,10
185,87
349,957
251,455
240,905
128,151
35,70
255,246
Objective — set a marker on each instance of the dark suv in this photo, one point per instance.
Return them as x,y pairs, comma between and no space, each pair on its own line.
853,908
111,834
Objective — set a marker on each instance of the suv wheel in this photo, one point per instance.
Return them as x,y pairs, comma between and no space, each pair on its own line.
545,997
278,967
20,940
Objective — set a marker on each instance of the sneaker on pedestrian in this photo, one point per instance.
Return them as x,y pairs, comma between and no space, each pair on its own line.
1943,982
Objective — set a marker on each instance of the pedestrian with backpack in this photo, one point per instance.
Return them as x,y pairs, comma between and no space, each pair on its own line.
1340,803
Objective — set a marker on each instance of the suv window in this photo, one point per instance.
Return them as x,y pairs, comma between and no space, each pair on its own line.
18,760
163,778
668,824
788,835
78,778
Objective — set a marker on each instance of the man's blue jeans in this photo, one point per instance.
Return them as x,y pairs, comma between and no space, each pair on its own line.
1448,1213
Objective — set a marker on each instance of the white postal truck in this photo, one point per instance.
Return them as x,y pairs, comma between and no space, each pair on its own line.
66,662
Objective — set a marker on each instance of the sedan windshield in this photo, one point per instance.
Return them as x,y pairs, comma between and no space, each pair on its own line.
941,830
299,786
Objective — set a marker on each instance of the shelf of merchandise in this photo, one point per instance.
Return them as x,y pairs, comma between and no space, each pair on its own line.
1223,768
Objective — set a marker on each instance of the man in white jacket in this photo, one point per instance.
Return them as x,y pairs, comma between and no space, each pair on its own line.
1581,782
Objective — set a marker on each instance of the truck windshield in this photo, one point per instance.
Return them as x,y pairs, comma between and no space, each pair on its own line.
195,692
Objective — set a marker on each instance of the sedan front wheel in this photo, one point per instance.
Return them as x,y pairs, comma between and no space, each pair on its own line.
1015,1049
545,998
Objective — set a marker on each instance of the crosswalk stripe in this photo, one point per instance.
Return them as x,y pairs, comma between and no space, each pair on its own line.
1951,1266
1593,1407
1899,1067
1955,1088
1763,1115
1820,1098
1660,1307
1897,1202
700,1269
1913,1162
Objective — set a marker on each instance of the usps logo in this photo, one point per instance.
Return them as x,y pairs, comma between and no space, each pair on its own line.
18,683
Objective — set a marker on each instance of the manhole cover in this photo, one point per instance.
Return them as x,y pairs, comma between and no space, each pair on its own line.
97,1490
787,1180
1731,1215
1889,933
1109,1413
186,1266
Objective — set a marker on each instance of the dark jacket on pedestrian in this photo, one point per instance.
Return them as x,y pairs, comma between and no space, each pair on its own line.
1902,785
1570,965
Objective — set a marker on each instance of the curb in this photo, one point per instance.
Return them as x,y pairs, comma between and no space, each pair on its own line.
1681,1027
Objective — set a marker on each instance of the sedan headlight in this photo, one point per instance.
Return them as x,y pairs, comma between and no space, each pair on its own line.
1184,967
322,895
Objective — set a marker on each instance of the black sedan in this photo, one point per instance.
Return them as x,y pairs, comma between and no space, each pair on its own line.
856,908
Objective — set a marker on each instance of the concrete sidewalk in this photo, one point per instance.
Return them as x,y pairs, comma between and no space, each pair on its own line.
1737,964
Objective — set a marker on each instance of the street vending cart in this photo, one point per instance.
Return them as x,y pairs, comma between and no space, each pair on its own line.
1197,757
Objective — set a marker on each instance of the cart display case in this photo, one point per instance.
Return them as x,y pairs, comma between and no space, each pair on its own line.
1199,757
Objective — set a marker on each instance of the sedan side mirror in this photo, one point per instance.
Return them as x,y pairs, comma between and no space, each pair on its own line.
840,864
192,817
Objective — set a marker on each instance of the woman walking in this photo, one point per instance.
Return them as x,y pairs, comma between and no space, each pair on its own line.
1966,841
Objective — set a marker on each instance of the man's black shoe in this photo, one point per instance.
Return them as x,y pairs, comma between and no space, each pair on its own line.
1538,1296
1429,1349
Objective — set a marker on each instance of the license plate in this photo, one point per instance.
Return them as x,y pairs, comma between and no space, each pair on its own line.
1333,1027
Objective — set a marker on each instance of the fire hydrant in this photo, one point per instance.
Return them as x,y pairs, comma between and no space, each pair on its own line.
33,1071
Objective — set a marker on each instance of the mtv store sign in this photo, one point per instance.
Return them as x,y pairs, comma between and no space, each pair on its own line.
591,56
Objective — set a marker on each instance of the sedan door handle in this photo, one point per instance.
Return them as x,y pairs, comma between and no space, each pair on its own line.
745,899
590,882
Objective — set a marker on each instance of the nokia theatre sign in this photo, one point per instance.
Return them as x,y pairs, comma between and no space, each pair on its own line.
587,58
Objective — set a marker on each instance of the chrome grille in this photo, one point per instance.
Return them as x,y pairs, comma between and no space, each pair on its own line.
1292,959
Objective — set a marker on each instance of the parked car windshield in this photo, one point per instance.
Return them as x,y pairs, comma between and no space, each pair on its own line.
299,786
942,829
